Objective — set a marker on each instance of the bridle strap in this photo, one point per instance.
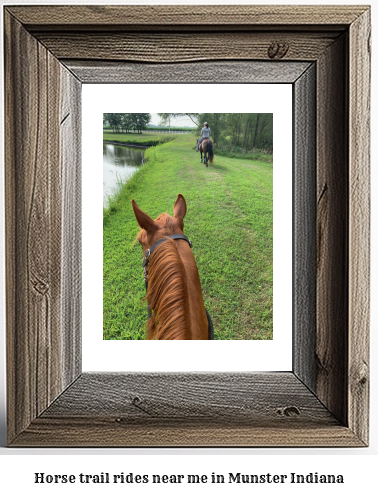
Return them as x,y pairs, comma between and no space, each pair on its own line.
162,240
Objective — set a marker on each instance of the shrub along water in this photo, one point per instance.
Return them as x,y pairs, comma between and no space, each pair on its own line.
248,154
229,220
146,139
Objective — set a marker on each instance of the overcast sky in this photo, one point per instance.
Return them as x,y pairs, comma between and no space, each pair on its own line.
179,122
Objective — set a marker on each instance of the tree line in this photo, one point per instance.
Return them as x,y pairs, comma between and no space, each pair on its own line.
127,122
245,130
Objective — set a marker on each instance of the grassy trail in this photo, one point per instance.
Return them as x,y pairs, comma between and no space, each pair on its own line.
230,221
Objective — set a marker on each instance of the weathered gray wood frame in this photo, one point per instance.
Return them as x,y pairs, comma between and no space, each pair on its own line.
324,52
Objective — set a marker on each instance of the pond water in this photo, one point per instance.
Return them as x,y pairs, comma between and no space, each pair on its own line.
119,163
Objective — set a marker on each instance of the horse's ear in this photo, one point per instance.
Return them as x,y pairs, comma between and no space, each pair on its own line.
179,209
144,220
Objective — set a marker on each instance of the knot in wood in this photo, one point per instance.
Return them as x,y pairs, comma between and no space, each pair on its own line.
140,404
288,411
363,381
360,374
136,400
41,287
277,50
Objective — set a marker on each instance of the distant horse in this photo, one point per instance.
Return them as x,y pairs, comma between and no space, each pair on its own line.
174,290
206,147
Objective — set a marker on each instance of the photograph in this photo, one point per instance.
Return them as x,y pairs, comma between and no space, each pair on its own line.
188,226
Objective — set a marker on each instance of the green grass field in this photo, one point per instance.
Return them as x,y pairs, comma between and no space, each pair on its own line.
230,221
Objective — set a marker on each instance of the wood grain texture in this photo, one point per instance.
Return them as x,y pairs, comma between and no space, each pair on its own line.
33,228
100,432
332,230
253,398
359,227
70,163
180,47
216,72
198,409
144,17
32,190
322,403
304,227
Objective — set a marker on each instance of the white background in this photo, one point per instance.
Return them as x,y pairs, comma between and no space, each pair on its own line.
359,466
235,355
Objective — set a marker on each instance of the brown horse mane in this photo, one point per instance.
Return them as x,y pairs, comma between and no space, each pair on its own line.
167,295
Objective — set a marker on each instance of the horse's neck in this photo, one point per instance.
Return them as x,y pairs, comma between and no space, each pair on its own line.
197,313
185,318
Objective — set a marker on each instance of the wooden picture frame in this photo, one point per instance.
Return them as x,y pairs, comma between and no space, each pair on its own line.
324,52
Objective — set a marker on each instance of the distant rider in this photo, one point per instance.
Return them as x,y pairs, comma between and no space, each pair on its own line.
205,134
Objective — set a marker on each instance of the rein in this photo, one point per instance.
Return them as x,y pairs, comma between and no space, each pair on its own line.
146,260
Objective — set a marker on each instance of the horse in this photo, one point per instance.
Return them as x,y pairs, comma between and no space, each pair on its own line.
206,147
173,285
